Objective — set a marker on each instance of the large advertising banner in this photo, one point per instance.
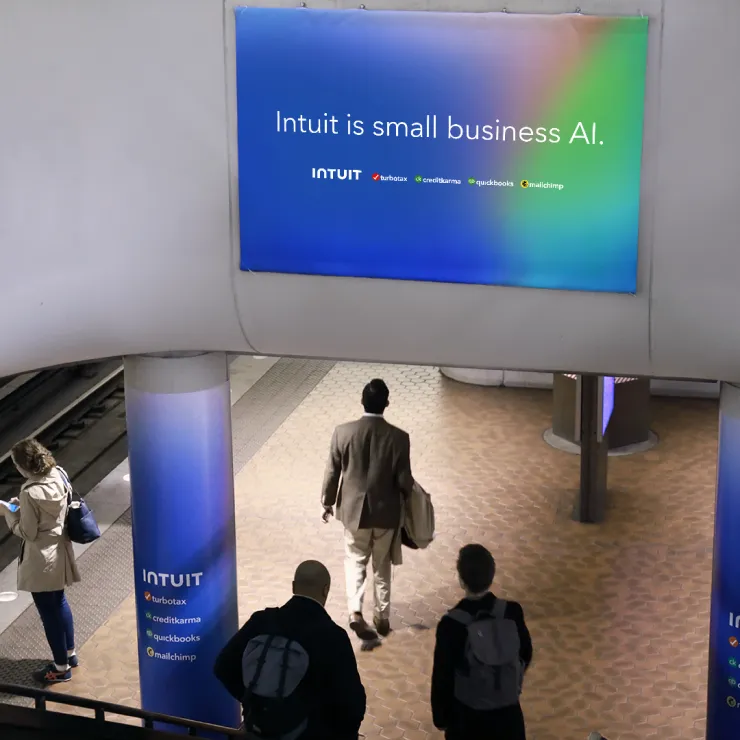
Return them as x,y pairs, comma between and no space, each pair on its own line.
184,542
483,148
723,706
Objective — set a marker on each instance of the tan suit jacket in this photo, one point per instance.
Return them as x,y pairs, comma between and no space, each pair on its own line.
368,474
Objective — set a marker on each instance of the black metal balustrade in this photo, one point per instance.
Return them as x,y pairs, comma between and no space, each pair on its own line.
101,709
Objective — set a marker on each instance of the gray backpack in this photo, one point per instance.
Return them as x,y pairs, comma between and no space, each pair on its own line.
276,700
491,674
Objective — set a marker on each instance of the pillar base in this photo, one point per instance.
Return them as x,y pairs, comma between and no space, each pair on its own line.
471,376
573,448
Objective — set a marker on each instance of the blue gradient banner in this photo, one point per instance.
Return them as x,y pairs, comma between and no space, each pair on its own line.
182,501
480,148
723,707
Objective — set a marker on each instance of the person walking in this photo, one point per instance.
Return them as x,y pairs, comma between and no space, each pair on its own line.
482,651
294,670
367,478
47,561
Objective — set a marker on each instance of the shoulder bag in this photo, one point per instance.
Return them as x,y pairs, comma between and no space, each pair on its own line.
81,525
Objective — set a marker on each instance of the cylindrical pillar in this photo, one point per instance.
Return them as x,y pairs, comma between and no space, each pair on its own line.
723,704
629,425
591,504
178,415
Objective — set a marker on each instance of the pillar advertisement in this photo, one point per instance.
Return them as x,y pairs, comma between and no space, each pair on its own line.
184,548
723,706
478,148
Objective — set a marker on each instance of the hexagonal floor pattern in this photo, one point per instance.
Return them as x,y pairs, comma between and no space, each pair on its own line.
618,612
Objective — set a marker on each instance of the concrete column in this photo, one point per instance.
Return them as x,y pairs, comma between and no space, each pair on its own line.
182,500
591,504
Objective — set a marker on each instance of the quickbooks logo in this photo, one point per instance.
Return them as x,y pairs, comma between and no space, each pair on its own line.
172,638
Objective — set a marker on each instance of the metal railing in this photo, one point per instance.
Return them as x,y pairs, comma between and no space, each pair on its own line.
100,708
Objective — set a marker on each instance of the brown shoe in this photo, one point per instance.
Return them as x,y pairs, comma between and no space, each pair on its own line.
383,626
361,628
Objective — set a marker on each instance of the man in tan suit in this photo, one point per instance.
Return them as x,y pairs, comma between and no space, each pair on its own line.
368,476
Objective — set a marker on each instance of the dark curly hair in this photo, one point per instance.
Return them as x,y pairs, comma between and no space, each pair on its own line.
33,457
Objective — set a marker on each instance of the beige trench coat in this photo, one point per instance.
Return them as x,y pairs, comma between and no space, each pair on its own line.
47,561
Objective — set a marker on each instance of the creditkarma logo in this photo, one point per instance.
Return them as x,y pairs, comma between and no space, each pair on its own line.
172,620
331,173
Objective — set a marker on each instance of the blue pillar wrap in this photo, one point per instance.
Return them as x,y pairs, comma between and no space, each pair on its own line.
182,500
723,709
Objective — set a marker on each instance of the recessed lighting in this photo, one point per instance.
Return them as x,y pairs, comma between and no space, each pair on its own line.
8,596
127,478
259,357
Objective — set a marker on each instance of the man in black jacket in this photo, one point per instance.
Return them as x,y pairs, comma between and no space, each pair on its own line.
337,696
475,568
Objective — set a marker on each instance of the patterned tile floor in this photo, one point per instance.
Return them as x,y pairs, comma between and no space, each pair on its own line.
618,612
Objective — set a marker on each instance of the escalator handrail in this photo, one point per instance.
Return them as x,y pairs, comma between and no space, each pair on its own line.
42,697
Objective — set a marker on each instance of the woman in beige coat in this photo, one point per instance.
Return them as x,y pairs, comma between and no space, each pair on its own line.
47,562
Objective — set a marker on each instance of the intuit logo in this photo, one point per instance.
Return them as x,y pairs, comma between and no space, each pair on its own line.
172,579
329,173
735,621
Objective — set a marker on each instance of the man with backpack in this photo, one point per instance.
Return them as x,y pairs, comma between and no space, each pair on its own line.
294,670
483,649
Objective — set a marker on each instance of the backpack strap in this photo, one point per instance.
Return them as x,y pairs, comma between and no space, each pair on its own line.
499,609
284,668
67,484
260,664
263,656
461,616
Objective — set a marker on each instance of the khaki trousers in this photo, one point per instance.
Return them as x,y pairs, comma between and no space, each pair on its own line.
359,547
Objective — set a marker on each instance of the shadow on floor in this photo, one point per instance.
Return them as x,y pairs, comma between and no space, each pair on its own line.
18,673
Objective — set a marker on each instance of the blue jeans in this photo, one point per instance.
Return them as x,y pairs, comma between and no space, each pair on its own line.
56,616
